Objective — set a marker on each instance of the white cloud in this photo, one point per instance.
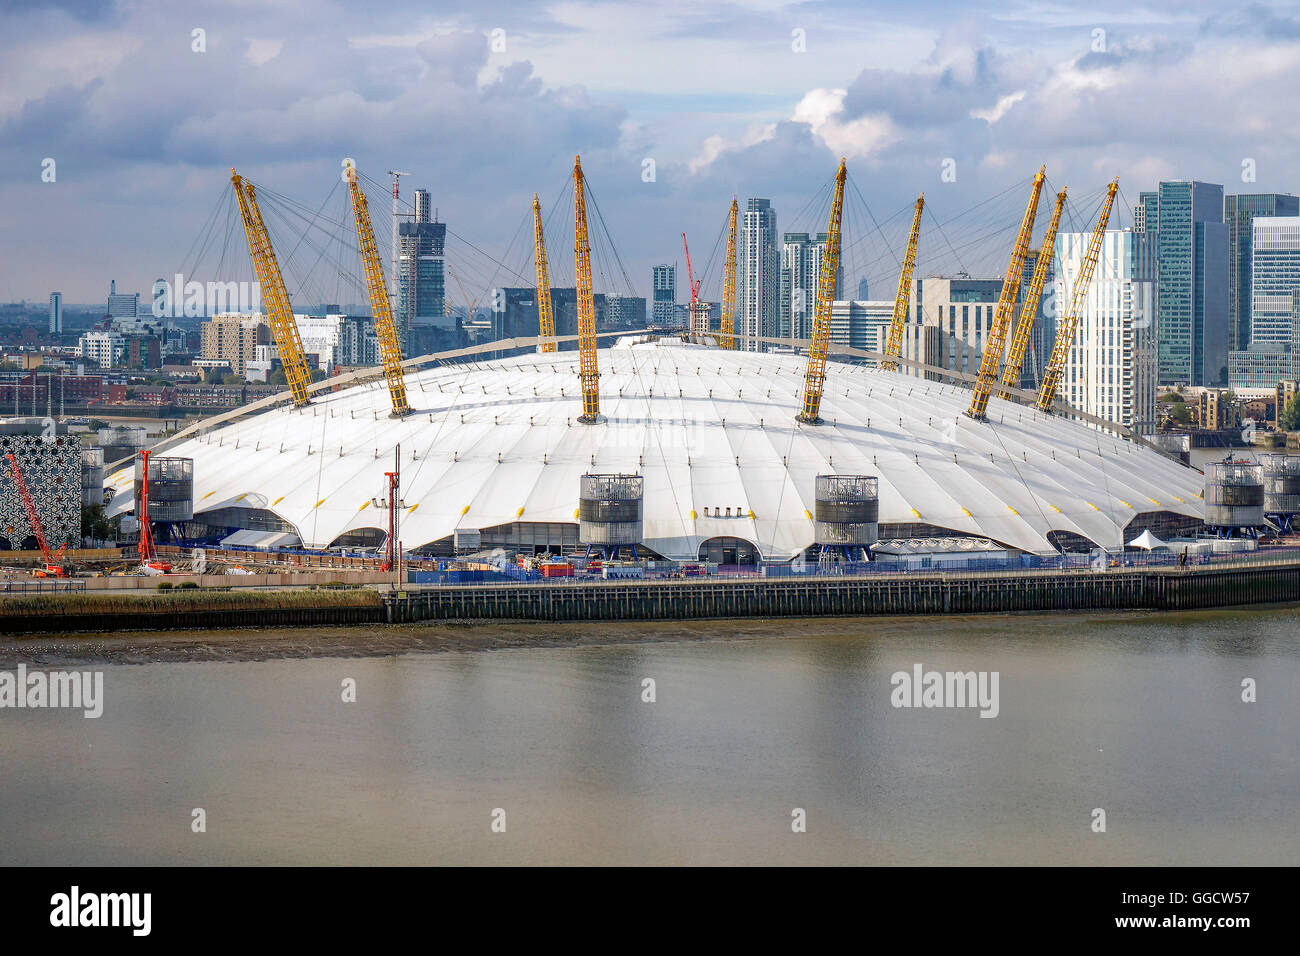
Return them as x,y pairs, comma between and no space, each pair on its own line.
1004,103
262,51
823,111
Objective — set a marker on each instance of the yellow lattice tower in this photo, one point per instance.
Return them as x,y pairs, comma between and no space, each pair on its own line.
588,375
894,341
275,297
545,315
390,348
728,327
1020,341
1078,297
815,377
996,340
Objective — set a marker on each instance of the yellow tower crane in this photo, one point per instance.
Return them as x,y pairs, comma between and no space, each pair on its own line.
588,375
276,298
894,341
1020,341
545,315
995,341
1078,297
728,327
390,348
815,377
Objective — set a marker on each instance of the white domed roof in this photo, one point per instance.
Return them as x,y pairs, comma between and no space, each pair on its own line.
495,442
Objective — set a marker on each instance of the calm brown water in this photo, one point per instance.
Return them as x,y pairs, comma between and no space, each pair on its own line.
1139,714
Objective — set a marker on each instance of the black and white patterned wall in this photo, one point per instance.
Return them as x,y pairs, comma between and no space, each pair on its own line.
51,468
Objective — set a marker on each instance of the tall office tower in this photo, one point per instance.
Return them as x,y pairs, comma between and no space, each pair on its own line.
862,290
1238,212
123,305
56,313
758,279
801,269
1191,283
1146,214
421,276
1111,369
664,295
1274,276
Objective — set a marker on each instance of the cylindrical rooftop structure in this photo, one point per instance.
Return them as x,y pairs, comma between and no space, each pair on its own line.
847,510
610,509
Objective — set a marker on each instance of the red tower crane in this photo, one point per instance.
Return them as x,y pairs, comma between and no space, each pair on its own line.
695,294
52,566
149,562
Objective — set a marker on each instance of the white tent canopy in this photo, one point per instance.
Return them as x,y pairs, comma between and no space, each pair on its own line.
714,434
1147,541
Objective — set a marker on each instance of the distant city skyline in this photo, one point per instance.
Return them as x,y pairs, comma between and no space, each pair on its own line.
485,104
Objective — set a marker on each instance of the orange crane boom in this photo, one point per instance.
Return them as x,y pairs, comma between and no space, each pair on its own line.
698,326
815,376
894,341
52,565
545,311
1070,321
390,348
588,374
284,328
1020,341
728,326
997,337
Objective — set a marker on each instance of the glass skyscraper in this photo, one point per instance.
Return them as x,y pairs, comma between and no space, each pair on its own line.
1238,213
1192,281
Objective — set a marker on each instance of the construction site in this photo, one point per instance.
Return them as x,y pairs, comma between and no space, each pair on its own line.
709,452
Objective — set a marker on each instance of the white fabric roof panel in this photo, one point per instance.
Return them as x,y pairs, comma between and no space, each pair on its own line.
707,428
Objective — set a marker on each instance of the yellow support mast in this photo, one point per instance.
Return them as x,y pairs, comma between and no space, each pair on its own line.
588,375
728,327
997,337
390,348
894,341
1020,341
815,377
1078,297
274,295
545,314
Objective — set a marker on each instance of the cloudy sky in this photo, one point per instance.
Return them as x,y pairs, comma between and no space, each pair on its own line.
485,102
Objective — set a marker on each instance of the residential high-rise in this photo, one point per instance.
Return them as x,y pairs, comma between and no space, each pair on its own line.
801,268
56,313
758,279
233,338
421,276
1238,212
664,295
105,349
1191,282
1111,368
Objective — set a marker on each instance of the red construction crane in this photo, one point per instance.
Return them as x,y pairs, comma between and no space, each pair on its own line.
52,566
149,562
695,294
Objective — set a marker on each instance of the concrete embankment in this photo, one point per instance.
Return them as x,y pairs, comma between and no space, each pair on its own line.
101,611
920,593
1165,588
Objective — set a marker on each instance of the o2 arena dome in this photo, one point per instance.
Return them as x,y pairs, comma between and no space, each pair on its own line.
496,446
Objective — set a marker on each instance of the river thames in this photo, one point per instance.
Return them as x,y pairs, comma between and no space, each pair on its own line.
547,730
